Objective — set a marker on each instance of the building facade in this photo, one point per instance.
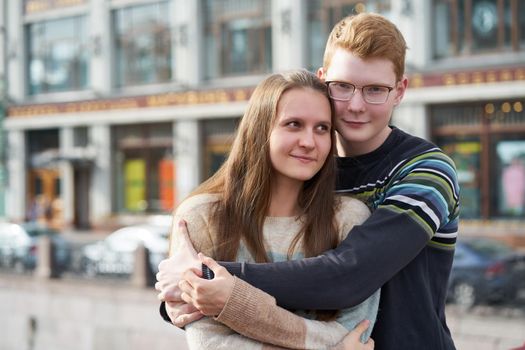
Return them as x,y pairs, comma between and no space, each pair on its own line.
119,108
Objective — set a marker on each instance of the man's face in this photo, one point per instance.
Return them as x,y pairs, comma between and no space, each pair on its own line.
362,126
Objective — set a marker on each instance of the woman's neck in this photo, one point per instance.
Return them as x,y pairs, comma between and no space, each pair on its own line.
284,199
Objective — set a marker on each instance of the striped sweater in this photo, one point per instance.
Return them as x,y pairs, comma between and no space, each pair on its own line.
279,326
406,247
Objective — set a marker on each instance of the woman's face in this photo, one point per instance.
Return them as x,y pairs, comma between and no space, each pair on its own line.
301,137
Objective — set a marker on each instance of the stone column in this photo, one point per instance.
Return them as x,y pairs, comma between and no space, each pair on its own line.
187,42
187,145
289,34
66,144
101,194
16,181
100,47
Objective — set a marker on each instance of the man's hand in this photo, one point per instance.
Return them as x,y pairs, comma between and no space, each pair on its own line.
181,313
170,272
352,340
208,296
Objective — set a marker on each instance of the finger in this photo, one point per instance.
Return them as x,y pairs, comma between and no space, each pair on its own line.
162,295
370,344
212,264
186,319
186,298
191,277
180,308
361,327
158,286
185,287
185,237
173,295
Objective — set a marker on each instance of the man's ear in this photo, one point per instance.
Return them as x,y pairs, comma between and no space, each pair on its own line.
321,73
401,87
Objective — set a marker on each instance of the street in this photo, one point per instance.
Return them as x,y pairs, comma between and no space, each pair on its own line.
497,327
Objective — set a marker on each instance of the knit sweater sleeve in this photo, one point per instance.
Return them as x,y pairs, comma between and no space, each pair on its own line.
420,207
255,314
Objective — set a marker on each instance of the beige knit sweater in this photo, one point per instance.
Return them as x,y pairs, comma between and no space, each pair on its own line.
251,318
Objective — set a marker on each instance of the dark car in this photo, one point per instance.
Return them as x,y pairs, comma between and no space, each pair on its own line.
19,246
485,270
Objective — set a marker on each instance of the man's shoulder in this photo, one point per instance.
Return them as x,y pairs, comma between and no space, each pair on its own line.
413,149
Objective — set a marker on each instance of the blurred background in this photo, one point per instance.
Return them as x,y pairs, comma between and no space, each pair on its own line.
112,111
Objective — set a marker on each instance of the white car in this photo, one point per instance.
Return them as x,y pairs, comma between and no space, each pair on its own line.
115,254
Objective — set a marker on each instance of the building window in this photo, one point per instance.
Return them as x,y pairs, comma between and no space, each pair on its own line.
218,139
463,28
145,168
486,141
143,53
323,15
237,37
58,55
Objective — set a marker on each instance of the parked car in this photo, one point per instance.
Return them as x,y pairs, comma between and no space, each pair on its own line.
19,246
485,270
115,254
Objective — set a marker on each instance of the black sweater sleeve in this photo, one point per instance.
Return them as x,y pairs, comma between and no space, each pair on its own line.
343,277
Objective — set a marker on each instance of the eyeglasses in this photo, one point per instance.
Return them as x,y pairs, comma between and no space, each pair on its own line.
373,94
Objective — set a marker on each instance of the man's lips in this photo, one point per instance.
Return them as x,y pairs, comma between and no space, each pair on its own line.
354,123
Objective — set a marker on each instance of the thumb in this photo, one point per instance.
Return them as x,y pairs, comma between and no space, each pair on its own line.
212,264
185,241
361,328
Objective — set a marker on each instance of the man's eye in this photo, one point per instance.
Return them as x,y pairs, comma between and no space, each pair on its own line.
376,89
344,86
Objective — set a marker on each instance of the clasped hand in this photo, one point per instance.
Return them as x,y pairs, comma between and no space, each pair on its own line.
189,297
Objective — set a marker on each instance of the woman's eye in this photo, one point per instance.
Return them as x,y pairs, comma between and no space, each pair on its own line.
293,124
323,128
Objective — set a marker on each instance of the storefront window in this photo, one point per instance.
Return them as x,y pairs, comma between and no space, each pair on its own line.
463,28
510,172
142,44
323,15
466,154
145,168
218,138
58,55
237,37
487,143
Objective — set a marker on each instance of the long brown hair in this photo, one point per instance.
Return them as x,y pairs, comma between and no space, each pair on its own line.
244,180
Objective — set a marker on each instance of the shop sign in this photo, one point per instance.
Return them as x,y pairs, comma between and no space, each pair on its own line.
35,6
160,100
478,77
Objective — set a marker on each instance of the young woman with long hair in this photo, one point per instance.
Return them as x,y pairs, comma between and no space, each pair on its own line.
273,200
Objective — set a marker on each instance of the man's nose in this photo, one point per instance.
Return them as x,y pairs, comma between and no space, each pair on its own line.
357,102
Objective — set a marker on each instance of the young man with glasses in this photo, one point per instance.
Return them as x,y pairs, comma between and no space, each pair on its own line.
405,248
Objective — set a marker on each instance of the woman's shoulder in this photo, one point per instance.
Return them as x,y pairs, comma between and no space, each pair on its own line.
197,203
351,211
348,203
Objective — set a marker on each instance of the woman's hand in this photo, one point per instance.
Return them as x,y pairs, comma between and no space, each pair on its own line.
352,340
171,269
169,276
208,296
